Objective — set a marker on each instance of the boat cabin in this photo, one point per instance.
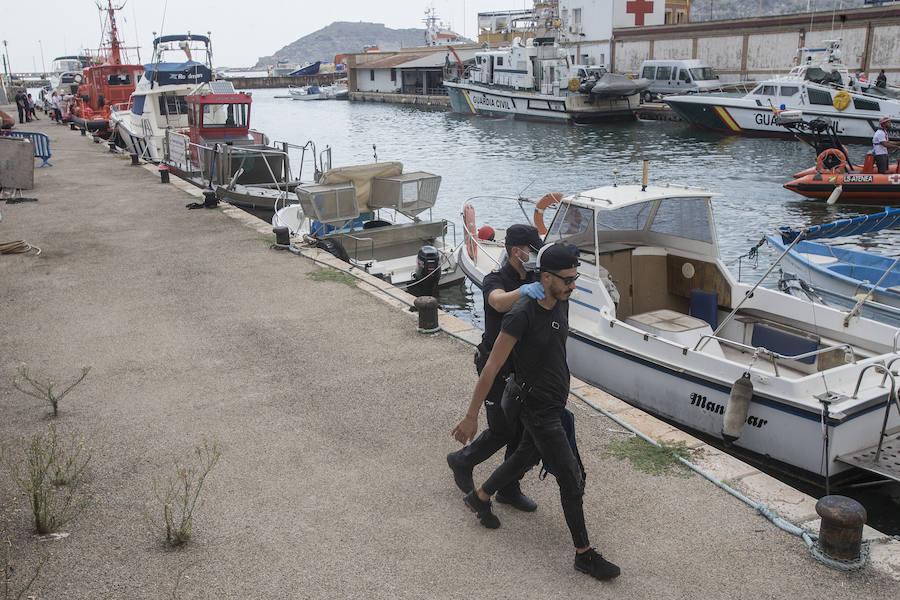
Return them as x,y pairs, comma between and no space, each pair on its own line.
214,117
537,64
105,85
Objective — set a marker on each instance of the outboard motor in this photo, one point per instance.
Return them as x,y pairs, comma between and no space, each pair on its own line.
428,272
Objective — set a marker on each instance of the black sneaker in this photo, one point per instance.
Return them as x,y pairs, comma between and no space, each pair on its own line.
461,475
482,510
517,500
596,566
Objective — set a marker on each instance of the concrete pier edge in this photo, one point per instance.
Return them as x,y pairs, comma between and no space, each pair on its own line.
793,505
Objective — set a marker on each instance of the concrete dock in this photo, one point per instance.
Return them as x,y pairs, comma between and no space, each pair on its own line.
333,414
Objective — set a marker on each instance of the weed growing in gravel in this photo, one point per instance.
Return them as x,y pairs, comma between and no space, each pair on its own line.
326,274
179,492
44,391
14,581
646,457
50,477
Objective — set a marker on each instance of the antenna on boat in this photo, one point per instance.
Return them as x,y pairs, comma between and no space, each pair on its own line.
375,152
615,177
644,176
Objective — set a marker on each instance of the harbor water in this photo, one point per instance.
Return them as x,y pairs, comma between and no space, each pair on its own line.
502,157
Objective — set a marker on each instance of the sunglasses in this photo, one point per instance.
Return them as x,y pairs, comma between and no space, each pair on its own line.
565,280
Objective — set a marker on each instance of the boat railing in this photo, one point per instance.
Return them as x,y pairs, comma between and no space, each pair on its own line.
775,356
892,397
357,240
894,343
120,106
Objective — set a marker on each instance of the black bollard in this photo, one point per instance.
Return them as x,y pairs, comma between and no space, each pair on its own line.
83,131
840,535
112,147
71,126
134,160
164,173
210,200
282,237
427,306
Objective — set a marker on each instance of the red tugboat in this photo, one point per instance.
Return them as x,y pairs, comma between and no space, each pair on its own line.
106,81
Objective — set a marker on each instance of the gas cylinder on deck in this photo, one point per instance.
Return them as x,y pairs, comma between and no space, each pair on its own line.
428,272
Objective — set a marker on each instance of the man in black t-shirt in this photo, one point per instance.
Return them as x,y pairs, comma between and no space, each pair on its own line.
501,289
535,332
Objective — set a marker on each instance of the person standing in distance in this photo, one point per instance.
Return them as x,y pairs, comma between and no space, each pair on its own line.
501,289
535,332
881,144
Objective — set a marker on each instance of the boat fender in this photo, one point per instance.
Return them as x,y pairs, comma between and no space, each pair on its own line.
841,100
824,162
737,408
542,205
574,83
470,232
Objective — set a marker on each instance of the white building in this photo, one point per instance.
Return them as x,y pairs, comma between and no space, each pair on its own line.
586,26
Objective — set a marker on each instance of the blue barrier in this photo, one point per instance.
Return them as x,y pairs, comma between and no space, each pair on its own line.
40,141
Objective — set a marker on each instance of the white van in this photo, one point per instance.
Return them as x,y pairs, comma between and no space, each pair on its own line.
674,76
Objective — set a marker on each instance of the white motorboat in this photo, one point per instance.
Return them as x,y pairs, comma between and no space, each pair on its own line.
822,89
658,321
368,216
158,103
533,80
308,92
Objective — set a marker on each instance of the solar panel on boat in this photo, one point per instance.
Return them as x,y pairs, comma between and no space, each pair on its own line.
221,87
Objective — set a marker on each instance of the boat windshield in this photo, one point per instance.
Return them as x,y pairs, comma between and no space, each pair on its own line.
224,115
703,73
686,218
574,225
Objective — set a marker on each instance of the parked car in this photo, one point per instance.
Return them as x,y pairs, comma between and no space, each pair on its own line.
676,76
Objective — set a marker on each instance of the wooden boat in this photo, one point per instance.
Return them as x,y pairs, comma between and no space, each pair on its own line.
658,321
863,282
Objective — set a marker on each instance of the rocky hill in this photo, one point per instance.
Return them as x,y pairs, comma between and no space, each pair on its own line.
341,37
705,10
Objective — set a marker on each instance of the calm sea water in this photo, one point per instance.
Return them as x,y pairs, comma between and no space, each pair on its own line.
478,156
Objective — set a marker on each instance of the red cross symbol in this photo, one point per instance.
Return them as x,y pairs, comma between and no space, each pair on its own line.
895,178
639,8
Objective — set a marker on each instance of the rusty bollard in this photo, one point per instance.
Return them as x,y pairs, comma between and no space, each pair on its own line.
840,535
427,307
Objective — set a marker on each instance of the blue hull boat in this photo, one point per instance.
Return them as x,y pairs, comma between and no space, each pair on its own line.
310,69
866,283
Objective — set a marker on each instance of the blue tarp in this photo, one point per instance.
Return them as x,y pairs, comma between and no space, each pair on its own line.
168,73
885,220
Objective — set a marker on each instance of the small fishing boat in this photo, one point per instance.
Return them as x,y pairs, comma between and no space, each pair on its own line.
308,92
658,320
863,282
369,216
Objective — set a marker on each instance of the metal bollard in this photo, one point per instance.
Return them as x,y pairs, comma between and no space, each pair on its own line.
840,535
164,173
134,159
112,147
282,237
83,131
71,126
210,200
427,307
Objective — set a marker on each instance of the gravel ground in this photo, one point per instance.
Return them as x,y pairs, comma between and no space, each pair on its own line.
333,415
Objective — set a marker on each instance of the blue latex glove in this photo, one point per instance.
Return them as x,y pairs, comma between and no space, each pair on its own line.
532,290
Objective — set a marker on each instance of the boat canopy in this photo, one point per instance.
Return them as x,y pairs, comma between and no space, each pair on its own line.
865,224
171,73
180,37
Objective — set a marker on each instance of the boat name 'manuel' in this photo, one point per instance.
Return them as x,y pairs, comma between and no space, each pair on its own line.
700,401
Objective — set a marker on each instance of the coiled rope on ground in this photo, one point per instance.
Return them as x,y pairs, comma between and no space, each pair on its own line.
18,247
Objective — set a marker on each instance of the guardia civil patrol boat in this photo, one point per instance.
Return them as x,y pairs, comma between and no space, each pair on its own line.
659,321
820,88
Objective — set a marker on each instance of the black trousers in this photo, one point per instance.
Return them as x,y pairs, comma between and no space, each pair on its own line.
499,433
22,113
544,437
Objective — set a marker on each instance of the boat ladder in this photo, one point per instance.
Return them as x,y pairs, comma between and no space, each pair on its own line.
883,458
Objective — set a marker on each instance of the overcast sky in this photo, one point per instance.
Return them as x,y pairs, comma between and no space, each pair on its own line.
242,30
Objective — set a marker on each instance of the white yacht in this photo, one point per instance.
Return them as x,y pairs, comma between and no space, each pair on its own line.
819,89
158,102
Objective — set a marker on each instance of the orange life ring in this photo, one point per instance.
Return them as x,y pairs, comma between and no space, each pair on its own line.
469,224
820,161
543,203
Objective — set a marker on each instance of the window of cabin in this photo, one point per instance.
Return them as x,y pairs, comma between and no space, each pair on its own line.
499,61
371,74
863,104
789,90
119,79
393,74
819,97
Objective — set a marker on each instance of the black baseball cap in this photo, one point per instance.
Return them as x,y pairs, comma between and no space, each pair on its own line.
523,235
555,257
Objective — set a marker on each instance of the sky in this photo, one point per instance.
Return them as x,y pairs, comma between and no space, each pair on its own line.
242,30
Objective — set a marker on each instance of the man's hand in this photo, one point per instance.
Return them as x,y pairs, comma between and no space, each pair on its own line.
465,430
532,290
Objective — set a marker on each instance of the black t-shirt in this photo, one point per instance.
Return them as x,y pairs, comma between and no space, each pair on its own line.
507,280
539,356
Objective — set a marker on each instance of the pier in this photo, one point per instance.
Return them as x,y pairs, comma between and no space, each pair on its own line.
333,415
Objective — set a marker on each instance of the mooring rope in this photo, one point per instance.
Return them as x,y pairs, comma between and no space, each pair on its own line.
18,247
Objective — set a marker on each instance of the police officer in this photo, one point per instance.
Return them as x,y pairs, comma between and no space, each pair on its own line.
501,290
534,332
